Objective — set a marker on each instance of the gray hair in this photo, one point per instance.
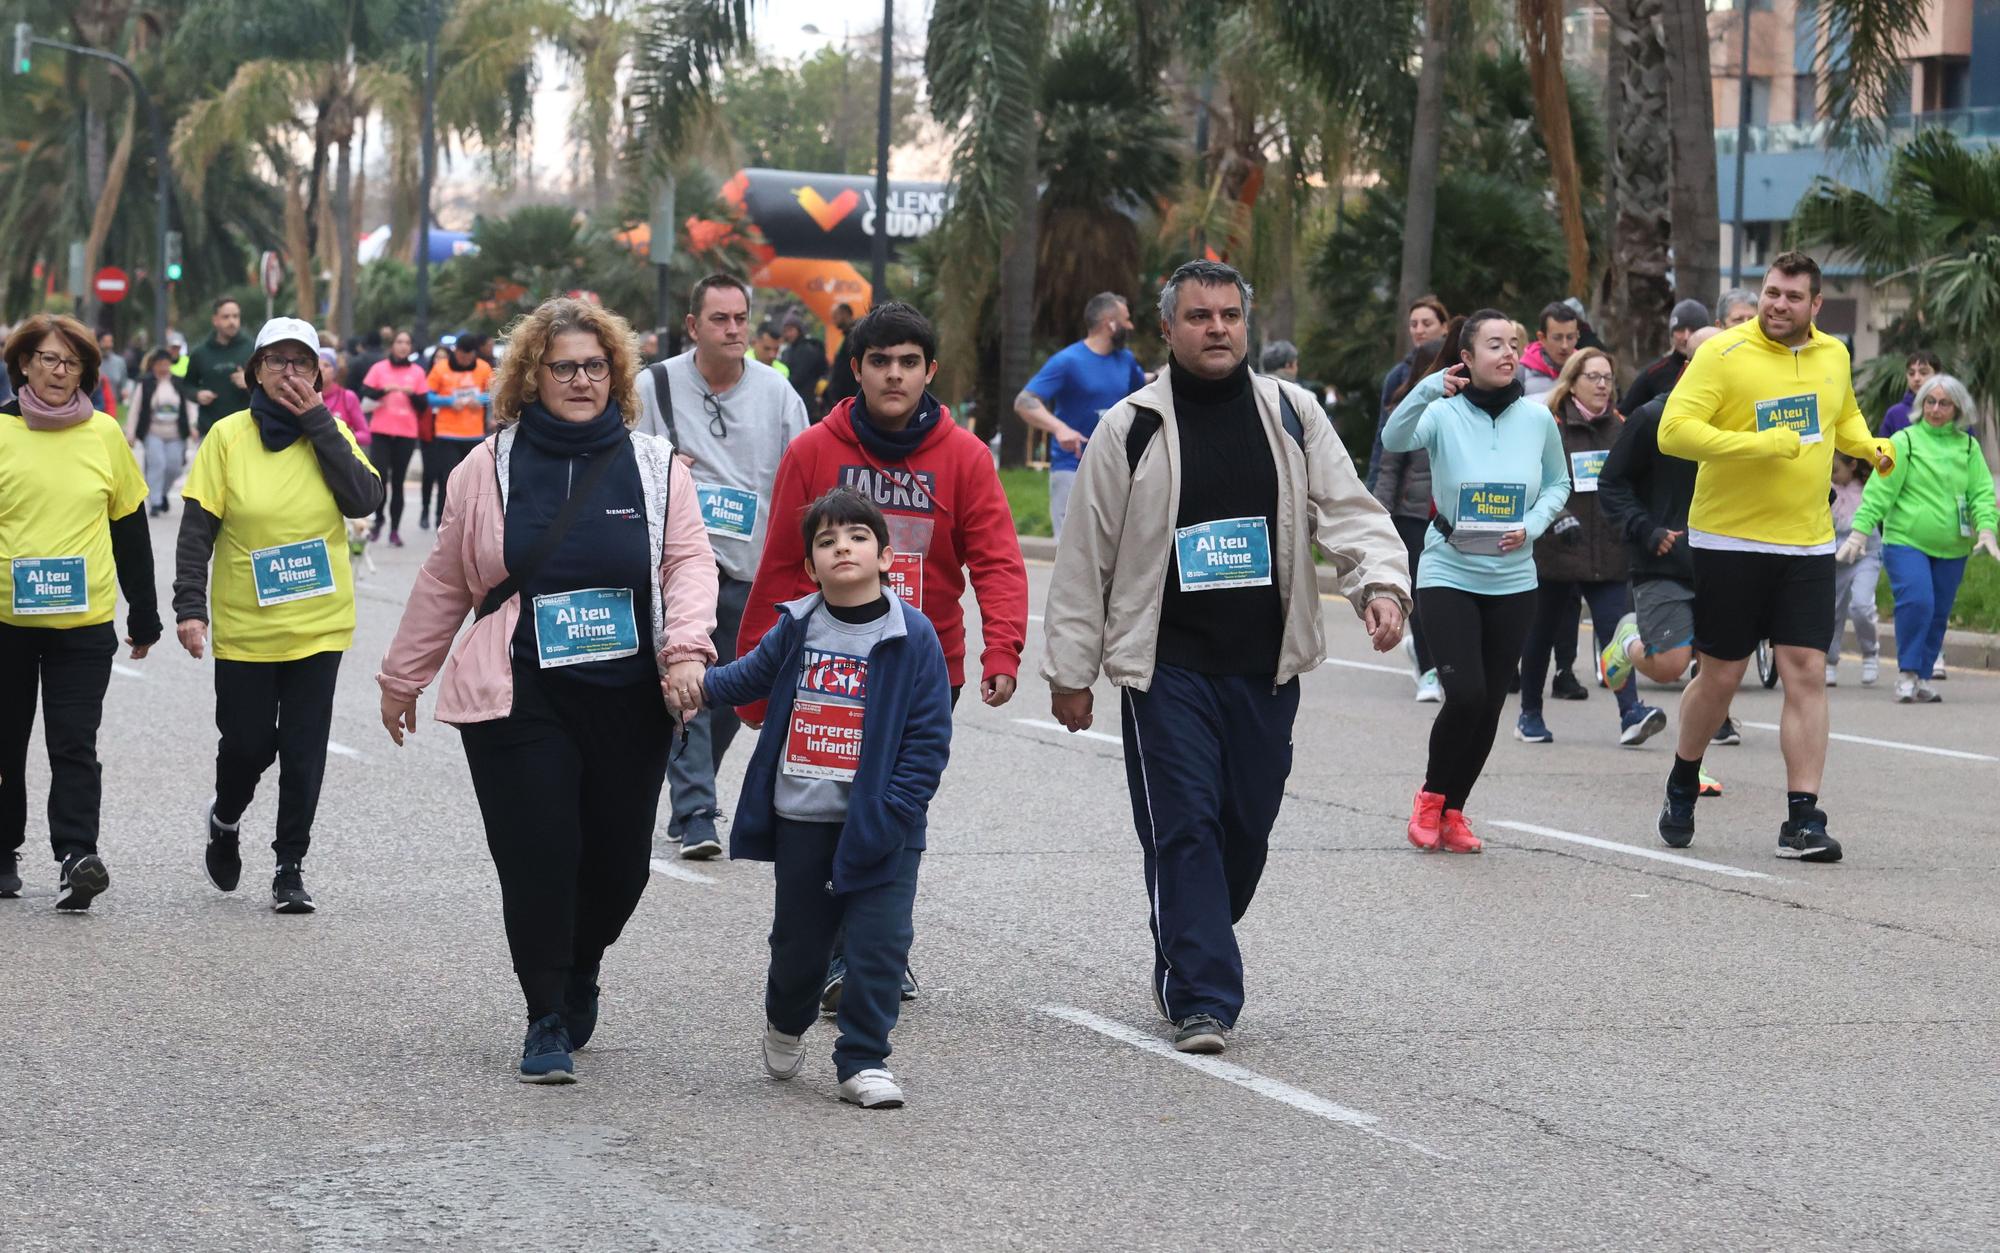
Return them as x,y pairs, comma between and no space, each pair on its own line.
1278,354
1206,273
1099,307
1730,299
1954,391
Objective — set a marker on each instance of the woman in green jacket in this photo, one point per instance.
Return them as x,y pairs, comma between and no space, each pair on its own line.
1929,514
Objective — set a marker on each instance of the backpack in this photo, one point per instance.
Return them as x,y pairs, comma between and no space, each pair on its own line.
663,393
1146,424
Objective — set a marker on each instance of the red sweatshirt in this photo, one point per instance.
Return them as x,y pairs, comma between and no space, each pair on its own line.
947,516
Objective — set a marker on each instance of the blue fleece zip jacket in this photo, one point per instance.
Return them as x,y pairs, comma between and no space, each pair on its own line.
905,742
1518,452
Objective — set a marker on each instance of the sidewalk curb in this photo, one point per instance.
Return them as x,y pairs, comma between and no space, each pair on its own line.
1968,650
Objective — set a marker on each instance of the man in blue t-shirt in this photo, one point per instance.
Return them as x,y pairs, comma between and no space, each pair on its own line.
1075,387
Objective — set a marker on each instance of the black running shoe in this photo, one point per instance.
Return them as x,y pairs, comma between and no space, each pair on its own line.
1728,733
579,1013
84,878
1677,818
911,990
10,877
223,860
288,891
1565,687
1808,840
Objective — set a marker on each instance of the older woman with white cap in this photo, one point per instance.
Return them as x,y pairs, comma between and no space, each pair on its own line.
265,502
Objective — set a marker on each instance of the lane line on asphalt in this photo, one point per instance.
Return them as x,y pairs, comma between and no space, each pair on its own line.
1243,1077
673,871
1041,724
1368,665
127,671
1651,854
1907,747
342,750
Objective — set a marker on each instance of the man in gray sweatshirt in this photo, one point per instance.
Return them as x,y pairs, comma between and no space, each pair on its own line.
729,417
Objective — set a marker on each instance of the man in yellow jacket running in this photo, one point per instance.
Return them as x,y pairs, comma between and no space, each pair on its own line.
1762,407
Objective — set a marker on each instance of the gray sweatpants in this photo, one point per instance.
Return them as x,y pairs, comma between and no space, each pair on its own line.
1060,482
163,465
691,772
1854,598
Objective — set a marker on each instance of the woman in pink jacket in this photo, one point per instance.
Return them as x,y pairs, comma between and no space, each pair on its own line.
578,547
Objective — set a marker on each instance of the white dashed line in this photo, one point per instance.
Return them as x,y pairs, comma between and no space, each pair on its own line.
1041,725
127,671
1243,1077
1651,854
1369,665
682,873
1961,754
339,749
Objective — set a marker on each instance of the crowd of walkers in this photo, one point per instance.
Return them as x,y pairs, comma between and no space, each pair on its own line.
633,560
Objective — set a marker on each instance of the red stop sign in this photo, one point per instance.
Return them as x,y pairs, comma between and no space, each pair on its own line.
111,284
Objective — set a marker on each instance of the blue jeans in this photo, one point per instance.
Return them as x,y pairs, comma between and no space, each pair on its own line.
878,927
1925,588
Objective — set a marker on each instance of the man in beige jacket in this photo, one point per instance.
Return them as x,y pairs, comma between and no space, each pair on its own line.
1186,575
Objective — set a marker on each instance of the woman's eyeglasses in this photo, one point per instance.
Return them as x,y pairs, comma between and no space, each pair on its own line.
55,363
1606,379
597,369
718,417
292,365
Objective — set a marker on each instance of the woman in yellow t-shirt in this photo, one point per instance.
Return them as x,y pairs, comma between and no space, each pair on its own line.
71,536
265,502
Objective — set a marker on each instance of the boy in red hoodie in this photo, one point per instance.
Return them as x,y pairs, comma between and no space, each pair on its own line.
948,517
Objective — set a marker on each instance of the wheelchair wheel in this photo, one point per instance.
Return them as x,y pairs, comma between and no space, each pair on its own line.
1767,663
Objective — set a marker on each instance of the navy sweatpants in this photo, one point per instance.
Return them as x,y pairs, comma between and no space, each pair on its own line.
1206,759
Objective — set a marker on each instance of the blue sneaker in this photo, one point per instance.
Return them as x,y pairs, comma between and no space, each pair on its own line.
1639,724
545,1053
1530,729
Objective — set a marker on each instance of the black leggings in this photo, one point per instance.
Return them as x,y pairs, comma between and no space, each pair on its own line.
1476,641
391,455
278,711
441,457
1413,531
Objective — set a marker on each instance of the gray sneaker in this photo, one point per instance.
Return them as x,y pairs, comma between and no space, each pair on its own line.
1202,1033
699,841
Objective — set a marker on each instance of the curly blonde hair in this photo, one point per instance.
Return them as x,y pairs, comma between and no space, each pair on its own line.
529,336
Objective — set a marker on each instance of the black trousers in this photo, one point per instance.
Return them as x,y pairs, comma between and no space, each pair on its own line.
391,455
1476,640
278,711
441,457
569,785
70,669
1413,531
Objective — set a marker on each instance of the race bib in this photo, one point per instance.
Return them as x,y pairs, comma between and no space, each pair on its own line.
51,585
1797,413
292,572
1230,552
1964,517
730,511
1585,467
465,398
1491,504
906,578
824,741
595,624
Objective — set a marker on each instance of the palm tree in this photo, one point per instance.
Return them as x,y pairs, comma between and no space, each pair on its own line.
1541,37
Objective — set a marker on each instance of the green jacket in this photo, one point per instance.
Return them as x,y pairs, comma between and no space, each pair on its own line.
209,367
1939,498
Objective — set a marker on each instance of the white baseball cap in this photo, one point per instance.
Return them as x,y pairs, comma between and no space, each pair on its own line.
293,330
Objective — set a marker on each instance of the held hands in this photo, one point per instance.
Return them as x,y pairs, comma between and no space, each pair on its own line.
997,689
399,716
1072,709
193,633
1456,378
1851,548
1513,539
682,687
1986,545
1382,618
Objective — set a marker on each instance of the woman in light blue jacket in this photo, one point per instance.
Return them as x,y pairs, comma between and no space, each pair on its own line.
1498,480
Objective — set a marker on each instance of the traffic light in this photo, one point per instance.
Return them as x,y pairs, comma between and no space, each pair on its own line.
24,45
173,257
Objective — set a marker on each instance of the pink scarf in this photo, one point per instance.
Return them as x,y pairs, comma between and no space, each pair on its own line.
41,417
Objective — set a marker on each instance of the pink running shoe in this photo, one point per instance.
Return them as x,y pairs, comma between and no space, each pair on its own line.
1457,836
1424,819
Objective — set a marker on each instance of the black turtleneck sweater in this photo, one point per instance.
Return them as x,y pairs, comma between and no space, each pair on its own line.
1227,471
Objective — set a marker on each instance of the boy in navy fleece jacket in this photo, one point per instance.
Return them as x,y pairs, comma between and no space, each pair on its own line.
849,756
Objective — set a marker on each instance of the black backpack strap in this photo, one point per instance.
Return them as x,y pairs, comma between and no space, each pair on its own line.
1145,425
545,545
663,395
1290,416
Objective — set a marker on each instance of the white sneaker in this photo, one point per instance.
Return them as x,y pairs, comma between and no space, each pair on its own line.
1833,676
872,1089
1926,695
1937,671
1871,670
784,1055
1906,687
1429,690
1410,651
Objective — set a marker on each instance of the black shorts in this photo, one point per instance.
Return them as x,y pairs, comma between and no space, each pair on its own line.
1741,598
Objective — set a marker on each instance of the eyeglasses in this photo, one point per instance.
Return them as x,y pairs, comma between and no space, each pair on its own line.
291,365
597,369
718,417
1594,377
55,363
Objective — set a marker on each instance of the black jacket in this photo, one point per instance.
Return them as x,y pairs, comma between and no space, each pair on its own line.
1644,492
1656,379
1593,551
142,410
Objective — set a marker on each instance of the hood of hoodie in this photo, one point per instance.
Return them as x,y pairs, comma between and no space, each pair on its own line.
1534,358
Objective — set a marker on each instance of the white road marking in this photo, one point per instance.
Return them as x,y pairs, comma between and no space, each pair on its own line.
127,671
1651,854
1243,1077
1043,725
1874,743
673,871
342,750
1369,665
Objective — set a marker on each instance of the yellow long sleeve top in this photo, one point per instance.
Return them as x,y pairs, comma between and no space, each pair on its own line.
1763,420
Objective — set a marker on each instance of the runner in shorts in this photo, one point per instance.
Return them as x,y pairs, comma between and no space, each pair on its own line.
1763,407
